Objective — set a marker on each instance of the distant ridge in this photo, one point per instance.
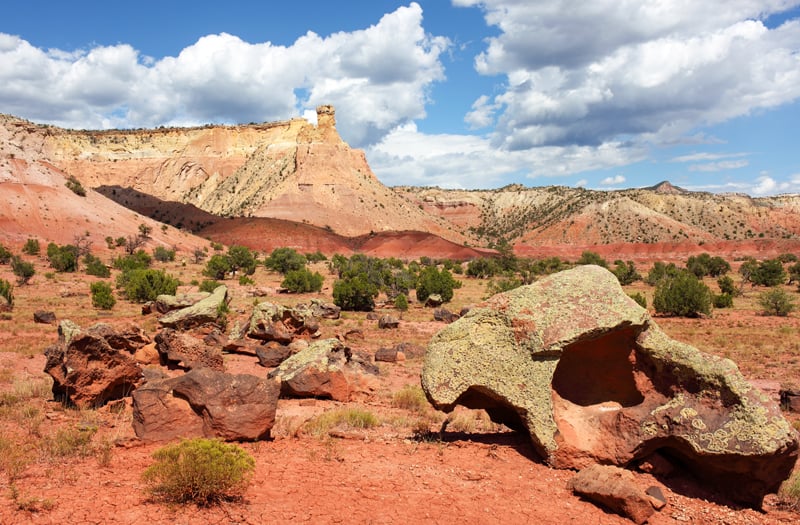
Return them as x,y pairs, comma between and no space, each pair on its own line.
667,188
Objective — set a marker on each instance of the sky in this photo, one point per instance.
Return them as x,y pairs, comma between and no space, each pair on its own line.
473,94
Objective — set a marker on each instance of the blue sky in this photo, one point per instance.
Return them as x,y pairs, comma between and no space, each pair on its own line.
473,94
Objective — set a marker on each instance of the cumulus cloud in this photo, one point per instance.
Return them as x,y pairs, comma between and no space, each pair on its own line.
654,72
612,181
379,77
720,166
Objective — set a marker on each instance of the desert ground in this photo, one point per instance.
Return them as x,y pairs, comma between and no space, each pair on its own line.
64,464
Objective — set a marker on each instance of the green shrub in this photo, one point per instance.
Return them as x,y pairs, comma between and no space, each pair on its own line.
245,280
640,299
5,255
63,258
94,266
200,471
209,285
660,271
776,301
142,285
218,266
401,302
302,281
682,295
625,272
284,260
483,267
432,281
242,258
723,300
589,257
139,260
75,186
355,293
162,254
765,273
7,292
120,242
317,256
31,247
22,269
726,286
794,273
503,284
102,296
109,242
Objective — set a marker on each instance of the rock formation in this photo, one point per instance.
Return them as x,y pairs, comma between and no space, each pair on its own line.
578,365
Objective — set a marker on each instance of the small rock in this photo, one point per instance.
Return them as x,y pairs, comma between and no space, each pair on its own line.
44,317
388,322
434,300
444,315
614,488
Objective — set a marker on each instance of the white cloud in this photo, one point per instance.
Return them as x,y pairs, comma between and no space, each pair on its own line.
581,183
377,78
706,156
656,71
612,181
719,166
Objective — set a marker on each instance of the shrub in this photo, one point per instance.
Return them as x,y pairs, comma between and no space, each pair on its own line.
765,273
218,266
198,255
283,260
355,293
145,285
200,471
682,295
317,256
410,397
776,301
347,418
31,247
794,273
102,296
401,302
22,269
7,292
483,267
502,284
75,186
723,300
242,258
626,272
136,261
5,255
432,281
302,281
120,242
726,286
63,258
640,299
145,230
789,493
94,266
162,254
660,271
589,257
209,285
244,280
109,242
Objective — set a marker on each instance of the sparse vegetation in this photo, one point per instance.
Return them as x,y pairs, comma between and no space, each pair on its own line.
142,285
344,418
355,293
94,266
102,295
5,255
162,254
199,471
302,281
75,186
401,302
63,258
209,285
31,247
7,293
434,281
23,270
284,260
776,301
682,294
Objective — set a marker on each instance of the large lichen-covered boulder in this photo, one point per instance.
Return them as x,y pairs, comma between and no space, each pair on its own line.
327,369
180,349
206,403
87,370
167,303
204,311
585,371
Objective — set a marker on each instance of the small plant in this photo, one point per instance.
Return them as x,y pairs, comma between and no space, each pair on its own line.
200,471
640,299
70,442
7,293
244,280
145,285
401,302
302,281
75,186
63,258
162,254
94,266
723,300
22,269
102,296
110,242
145,231
31,247
209,285
5,255
789,493
410,397
347,418
776,301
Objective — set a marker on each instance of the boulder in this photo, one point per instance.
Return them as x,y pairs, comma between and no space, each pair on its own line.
205,403
87,371
389,355
272,354
128,339
388,322
589,376
615,489
179,349
44,317
202,312
434,300
327,369
167,303
274,322
410,350
444,315
373,316
320,309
